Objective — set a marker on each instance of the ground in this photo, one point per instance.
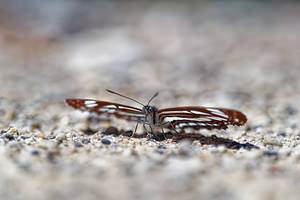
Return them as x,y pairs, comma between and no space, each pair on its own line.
238,55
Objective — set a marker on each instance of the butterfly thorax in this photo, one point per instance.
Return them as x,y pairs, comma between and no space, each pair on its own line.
151,116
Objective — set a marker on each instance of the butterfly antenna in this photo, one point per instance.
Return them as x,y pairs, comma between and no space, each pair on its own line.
124,96
155,95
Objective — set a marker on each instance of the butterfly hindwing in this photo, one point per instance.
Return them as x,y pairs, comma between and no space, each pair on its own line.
201,117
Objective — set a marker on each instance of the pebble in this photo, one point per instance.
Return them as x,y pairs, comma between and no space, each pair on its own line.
86,141
294,126
59,142
290,110
106,141
51,157
160,152
283,134
42,146
35,126
12,130
161,147
9,136
78,144
270,153
50,137
125,141
35,152
128,133
272,142
61,136
41,136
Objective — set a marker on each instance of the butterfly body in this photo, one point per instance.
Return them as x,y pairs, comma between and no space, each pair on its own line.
176,118
151,117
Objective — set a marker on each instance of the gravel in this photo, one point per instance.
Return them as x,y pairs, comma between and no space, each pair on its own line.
238,55
106,141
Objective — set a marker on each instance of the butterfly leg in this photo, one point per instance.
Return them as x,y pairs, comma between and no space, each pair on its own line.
144,125
163,132
174,128
136,126
170,125
151,129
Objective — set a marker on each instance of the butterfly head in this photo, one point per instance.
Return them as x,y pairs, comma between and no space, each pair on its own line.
149,109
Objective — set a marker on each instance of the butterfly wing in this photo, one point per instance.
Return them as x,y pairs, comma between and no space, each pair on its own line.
201,117
108,108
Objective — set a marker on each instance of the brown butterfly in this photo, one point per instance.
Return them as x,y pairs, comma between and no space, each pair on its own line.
177,118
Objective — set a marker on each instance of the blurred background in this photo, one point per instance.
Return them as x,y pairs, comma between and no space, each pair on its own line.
240,54
181,47
236,54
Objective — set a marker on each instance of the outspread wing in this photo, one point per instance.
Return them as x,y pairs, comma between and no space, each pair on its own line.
201,117
109,108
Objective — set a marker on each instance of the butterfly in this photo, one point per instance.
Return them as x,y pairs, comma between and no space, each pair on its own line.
176,118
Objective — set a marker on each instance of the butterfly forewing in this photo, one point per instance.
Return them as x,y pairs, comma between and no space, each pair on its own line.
109,108
201,117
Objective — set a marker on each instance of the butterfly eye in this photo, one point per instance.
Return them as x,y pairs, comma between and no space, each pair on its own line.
154,109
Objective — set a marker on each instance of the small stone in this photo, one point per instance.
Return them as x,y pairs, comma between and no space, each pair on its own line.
160,152
12,130
50,137
42,146
25,165
61,136
125,141
283,134
272,142
134,143
270,153
35,126
9,136
294,126
51,157
106,141
290,110
35,152
86,141
244,134
128,133
78,144
41,136
59,142
161,147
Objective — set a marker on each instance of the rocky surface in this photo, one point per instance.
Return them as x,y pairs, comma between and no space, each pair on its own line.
237,55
